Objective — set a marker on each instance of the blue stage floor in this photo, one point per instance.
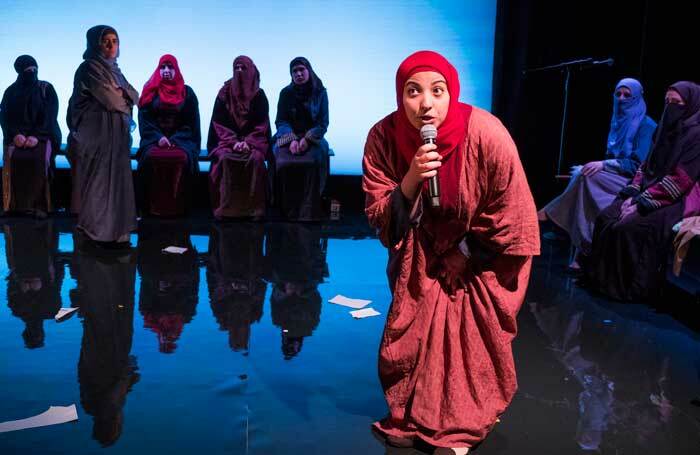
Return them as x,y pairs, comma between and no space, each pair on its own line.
233,348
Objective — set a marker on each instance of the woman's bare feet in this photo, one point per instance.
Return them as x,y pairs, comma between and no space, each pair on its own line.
451,451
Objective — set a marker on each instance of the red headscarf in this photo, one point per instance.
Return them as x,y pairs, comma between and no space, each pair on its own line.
170,92
239,91
451,133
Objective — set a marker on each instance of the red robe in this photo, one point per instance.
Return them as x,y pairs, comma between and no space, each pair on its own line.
445,360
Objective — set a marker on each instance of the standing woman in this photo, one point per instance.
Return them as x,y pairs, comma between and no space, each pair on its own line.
238,144
458,273
99,119
301,152
31,139
170,141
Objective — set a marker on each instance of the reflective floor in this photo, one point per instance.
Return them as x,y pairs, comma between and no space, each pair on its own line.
233,348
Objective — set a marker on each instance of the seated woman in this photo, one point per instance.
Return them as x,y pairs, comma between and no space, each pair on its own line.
633,235
31,138
301,152
238,145
595,185
99,144
170,141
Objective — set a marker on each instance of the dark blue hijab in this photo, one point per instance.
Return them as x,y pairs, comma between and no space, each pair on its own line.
309,94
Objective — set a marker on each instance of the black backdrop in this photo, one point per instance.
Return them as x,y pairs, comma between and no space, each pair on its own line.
654,41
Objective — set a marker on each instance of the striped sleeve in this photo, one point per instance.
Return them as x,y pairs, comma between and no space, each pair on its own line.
635,186
664,192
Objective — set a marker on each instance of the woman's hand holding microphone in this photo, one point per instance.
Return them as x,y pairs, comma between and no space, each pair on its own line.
423,166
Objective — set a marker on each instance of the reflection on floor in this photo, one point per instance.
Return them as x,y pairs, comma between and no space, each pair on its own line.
269,367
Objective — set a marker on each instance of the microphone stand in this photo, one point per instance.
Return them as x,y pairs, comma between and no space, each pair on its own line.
567,68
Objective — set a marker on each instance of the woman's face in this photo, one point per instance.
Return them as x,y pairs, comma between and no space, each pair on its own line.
623,93
109,46
239,67
426,99
300,74
167,71
673,97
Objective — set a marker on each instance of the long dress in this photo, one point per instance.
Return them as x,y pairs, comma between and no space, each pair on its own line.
300,180
445,360
31,110
166,175
629,255
99,148
238,180
576,209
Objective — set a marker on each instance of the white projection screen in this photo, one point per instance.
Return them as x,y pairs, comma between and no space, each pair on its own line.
354,46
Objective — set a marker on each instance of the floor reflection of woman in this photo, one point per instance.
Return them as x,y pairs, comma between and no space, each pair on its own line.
106,370
169,282
296,266
296,309
624,372
36,275
234,276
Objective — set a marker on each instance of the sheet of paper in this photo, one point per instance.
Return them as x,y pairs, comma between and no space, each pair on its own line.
174,250
364,313
54,416
64,313
348,302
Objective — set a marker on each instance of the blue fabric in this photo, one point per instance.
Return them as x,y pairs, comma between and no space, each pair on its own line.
641,145
627,115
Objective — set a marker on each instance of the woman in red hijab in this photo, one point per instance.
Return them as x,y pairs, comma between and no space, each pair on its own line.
458,273
170,141
238,145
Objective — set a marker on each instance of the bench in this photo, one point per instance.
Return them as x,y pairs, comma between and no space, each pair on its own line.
204,163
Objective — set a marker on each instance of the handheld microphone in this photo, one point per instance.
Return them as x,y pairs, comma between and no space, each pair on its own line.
429,135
